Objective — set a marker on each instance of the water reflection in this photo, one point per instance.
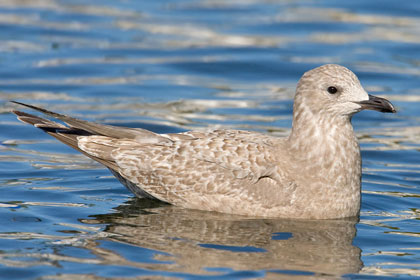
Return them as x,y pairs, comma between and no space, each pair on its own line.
194,241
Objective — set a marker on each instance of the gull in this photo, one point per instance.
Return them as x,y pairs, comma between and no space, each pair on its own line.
314,173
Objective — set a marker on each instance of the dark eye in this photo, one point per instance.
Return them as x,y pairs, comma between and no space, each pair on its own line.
332,90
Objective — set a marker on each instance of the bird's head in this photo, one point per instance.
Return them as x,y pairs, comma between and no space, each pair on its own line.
333,90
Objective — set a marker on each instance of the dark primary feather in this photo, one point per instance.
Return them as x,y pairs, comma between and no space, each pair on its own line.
67,135
90,127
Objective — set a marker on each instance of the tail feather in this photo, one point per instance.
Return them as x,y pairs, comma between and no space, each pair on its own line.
78,133
66,135
35,120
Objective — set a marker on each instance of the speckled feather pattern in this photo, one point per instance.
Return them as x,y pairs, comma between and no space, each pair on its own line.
315,173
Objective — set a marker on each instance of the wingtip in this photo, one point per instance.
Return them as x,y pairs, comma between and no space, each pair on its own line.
26,105
39,109
17,102
22,104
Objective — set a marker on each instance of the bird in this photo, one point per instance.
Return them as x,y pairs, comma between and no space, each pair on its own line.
314,173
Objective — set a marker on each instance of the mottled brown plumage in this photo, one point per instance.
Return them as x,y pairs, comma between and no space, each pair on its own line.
313,174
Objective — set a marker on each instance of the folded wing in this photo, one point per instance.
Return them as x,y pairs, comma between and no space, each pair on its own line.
190,169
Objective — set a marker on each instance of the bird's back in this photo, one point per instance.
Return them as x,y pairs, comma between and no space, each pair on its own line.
221,170
228,171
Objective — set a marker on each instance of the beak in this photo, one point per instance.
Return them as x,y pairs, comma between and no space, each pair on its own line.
378,104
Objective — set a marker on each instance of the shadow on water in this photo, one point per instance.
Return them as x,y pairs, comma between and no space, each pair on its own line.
198,242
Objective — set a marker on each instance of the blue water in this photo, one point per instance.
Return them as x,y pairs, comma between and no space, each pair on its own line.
171,66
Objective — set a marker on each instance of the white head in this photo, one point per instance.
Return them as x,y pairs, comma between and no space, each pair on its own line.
333,90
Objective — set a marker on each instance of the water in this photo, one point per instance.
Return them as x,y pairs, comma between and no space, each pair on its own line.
170,66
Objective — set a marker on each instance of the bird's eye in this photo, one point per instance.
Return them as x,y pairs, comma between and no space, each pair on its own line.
332,90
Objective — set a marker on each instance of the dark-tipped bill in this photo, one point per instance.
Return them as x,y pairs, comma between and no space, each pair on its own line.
378,104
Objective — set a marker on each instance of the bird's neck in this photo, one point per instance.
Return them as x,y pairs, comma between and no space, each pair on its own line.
320,137
326,156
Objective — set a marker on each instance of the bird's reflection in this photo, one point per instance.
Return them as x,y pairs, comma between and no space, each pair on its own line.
194,241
